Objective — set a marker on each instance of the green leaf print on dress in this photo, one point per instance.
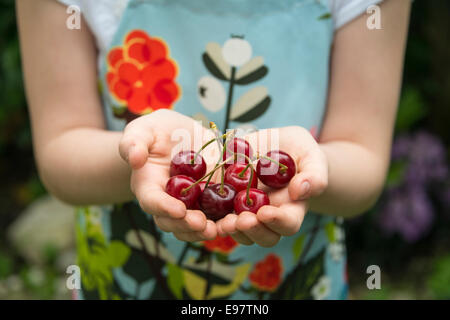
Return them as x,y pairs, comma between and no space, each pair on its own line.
149,255
234,64
300,281
196,274
96,257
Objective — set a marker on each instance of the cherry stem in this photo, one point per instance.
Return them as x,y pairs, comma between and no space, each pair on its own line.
209,178
215,168
222,181
219,139
219,164
241,174
207,144
221,145
216,132
209,174
212,125
237,154
247,194
222,178
283,167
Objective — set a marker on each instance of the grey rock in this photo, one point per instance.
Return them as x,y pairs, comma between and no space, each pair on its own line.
46,222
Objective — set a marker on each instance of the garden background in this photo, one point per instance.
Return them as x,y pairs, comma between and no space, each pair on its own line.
406,233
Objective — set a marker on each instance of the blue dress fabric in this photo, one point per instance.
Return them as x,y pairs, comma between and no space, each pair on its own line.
239,64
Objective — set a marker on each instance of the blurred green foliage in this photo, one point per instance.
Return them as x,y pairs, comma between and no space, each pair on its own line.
410,110
6,266
421,269
439,279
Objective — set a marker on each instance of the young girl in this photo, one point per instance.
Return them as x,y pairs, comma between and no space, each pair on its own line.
313,69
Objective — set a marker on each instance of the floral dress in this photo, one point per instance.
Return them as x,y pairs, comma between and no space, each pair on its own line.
240,65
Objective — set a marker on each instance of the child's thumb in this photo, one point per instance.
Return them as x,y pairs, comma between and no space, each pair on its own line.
134,147
312,180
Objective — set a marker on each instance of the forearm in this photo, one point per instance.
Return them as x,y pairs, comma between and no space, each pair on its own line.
82,166
356,177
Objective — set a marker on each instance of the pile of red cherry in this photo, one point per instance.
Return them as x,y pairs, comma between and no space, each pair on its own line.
238,190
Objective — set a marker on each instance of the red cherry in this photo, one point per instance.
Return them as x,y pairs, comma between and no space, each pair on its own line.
215,204
176,188
258,198
240,183
240,146
202,185
271,174
182,164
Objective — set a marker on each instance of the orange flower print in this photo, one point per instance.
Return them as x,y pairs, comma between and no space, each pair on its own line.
221,244
266,274
141,75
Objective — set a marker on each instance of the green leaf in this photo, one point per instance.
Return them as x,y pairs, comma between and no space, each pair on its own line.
411,110
299,282
203,256
325,16
100,87
159,293
120,224
118,253
297,248
329,231
6,266
175,280
137,267
439,279
223,258
253,76
119,110
213,277
396,173
248,290
124,213
212,67
251,105
256,112
215,63
251,66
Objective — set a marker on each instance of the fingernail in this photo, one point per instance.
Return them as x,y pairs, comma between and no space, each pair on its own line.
304,188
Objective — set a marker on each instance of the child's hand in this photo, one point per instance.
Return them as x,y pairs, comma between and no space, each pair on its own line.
147,146
288,205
